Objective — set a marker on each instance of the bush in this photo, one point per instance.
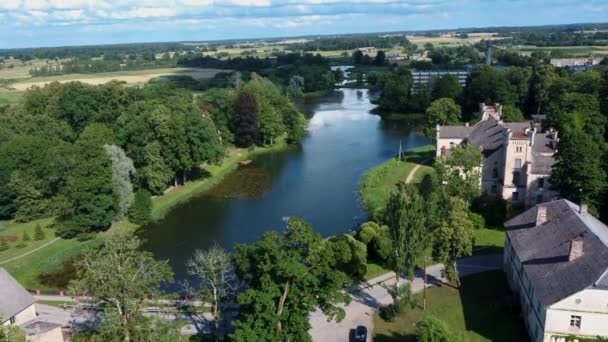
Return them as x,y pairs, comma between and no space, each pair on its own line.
3,244
38,233
431,329
26,237
141,209
478,221
389,312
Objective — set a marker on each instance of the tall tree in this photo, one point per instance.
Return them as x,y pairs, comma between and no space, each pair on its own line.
454,238
579,173
404,216
446,86
246,124
213,271
380,58
123,276
443,111
461,172
89,190
122,171
288,276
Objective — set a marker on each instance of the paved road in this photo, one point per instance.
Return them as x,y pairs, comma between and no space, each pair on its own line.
370,296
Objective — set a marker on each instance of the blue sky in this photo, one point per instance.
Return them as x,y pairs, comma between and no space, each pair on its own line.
27,23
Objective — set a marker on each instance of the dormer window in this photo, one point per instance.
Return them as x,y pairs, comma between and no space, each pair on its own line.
518,149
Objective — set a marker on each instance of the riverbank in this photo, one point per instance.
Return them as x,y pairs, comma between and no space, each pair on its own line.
27,263
377,183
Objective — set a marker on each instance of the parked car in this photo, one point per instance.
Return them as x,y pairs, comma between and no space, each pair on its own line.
360,334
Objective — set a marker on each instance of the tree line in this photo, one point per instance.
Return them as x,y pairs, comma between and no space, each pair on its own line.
574,103
77,152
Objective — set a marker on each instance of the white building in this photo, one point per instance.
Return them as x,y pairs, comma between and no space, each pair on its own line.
17,307
518,156
423,77
556,261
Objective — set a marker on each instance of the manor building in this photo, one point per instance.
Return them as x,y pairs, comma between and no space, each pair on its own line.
556,263
517,156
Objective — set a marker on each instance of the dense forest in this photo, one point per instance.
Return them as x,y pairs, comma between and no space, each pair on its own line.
77,151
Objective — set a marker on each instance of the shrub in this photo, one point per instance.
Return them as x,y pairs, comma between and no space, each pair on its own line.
3,244
38,233
431,329
388,312
26,237
478,221
141,209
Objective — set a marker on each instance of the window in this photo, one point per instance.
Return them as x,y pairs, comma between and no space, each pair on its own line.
518,163
518,149
539,198
575,321
516,177
493,189
495,173
13,320
541,183
515,196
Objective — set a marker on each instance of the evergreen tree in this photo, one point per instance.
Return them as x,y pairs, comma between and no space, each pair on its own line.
38,233
141,209
26,237
246,124
380,58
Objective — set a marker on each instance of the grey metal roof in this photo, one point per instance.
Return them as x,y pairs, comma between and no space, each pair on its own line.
543,143
13,297
489,134
454,132
543,250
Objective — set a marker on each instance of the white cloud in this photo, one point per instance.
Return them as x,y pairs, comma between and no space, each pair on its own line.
35,4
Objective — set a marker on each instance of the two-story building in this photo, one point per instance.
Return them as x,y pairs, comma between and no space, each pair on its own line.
556,262
517,156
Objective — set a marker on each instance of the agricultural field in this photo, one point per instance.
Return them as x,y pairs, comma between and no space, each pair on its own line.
568,50
130,77
448,39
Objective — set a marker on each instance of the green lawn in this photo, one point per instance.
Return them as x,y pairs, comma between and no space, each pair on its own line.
488,241
14,231
9,96
378,182
470,310
374,270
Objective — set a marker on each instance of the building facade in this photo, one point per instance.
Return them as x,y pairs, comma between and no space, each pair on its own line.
556,262
423,77
517,156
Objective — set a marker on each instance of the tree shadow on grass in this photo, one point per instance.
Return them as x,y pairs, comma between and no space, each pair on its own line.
480,295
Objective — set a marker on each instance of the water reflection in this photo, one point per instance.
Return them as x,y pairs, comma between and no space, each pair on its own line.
318,182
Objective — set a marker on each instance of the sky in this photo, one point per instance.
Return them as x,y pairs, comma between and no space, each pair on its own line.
33,23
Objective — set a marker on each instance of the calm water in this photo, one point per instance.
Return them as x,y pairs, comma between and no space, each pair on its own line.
317,181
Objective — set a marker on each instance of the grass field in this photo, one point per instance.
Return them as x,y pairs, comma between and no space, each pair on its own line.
130,77
452,41
470,311
9,96
378,182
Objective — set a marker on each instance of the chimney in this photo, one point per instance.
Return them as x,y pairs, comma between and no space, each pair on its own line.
583,208
541,215
576,249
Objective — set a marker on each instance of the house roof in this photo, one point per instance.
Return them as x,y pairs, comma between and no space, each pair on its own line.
544,250
488,134
454,132
13,297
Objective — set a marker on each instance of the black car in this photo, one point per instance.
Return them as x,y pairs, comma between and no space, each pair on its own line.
360,334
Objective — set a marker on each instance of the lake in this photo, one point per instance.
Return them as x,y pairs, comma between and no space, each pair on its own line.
317,181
